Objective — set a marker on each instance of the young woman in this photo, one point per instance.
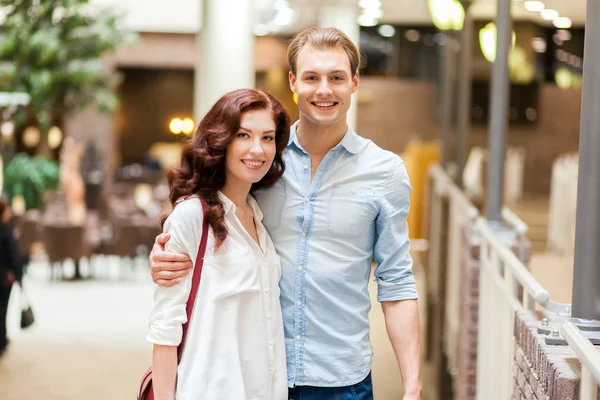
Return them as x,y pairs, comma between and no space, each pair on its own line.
234,347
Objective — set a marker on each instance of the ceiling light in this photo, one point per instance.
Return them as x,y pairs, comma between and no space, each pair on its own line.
488,39
176,126
31,136
562,23
387,31
563,78
55,137
280,4
412,35
564,35
366,20
557,40
187,126
373,12
284,17
549,14
534,6
446,14
369,3
539,45
562,55
7,129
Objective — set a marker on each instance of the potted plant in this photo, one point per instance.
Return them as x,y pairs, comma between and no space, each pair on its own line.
29,178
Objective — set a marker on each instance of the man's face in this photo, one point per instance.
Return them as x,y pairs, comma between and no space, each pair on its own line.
323,84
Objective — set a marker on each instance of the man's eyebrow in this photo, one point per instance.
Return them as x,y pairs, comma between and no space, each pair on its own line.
337,71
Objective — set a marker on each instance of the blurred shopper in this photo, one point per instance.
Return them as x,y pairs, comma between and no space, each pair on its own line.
341,203
234,346
11,268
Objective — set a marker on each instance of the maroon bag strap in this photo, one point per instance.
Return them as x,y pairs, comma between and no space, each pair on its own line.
196,276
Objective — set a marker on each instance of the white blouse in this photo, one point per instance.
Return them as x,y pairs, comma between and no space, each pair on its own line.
234,349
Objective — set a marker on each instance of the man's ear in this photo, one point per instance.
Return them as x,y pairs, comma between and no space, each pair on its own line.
355,82
292,79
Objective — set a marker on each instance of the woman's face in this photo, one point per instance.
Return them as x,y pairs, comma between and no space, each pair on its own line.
251,153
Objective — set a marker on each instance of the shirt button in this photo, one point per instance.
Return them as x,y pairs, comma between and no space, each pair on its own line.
354,191
298,338
271,344
299,303
268,316
307,199
272,370
300,269
305,167
303,234
267,291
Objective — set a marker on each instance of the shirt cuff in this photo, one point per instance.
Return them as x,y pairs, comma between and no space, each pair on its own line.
390,291
165,334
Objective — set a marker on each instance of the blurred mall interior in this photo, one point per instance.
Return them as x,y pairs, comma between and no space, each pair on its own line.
96,97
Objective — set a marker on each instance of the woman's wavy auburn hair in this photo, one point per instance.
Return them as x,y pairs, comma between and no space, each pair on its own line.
202,168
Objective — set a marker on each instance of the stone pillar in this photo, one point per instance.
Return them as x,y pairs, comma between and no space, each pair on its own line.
343,16
225,51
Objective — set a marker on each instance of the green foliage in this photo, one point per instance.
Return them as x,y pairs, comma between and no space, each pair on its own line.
51,49
30,177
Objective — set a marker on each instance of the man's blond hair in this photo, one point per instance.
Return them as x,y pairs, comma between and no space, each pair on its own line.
323,39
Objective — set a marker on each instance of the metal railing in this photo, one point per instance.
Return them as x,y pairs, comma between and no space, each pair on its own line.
501,274
505,287
590,360
462,214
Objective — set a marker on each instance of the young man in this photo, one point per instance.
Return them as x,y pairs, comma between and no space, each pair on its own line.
341,203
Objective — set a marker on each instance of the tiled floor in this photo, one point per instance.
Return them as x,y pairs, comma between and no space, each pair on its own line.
88,340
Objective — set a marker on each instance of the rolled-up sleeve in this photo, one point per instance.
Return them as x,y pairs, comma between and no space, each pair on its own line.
394,274
169,311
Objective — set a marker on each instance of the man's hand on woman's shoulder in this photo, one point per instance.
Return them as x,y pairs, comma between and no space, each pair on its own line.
167,268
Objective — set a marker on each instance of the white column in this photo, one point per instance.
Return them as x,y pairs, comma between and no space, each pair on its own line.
343,16
225,51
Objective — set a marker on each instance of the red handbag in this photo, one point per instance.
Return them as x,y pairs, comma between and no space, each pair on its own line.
146,391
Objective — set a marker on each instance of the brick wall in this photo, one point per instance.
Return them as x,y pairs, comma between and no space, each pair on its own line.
543,372
392,111
466,380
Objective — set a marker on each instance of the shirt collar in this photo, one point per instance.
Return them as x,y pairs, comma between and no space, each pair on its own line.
258,215
229,206
349,141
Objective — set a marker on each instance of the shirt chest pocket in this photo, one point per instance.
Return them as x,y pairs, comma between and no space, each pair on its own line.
348,212
232,274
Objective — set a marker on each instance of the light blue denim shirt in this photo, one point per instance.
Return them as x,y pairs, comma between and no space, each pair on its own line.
327,232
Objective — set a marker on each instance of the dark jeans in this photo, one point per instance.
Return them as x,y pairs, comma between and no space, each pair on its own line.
4,296
360,391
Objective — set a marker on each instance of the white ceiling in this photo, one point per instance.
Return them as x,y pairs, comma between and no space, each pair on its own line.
184,15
